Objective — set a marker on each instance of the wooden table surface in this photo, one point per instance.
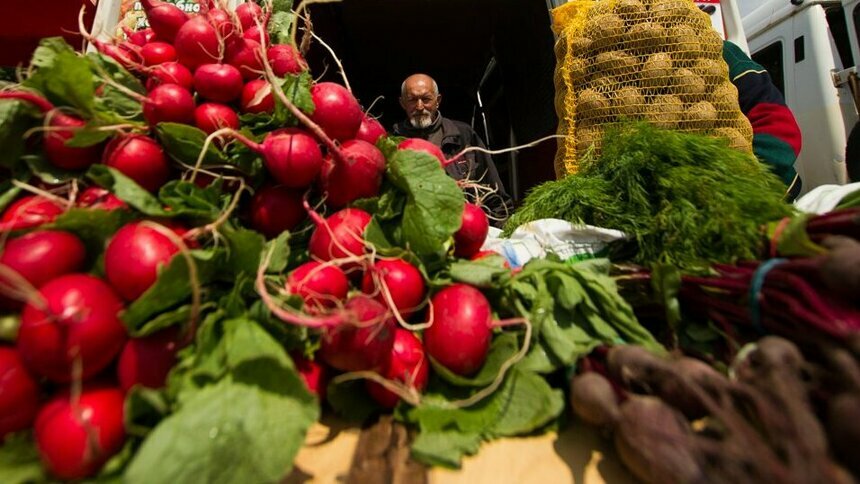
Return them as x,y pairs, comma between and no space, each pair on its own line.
578,454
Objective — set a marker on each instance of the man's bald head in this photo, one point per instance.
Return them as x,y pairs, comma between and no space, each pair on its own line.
419,81
420,98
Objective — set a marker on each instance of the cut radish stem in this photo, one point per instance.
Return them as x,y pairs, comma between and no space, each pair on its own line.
407,363
197,43
125,54
39,257
460,336
247,56
30,211
165,18
147,361
133,257
79,322
249,13
140,37
140,158
100,199
257,97
222,21
469,239
77,436
336,110
339,236
363,344
285,59
319,285
395,282
218,82
61,128
19,394
169,73
211,117
155,53
275,209
370,130
169,103
418,144
357,173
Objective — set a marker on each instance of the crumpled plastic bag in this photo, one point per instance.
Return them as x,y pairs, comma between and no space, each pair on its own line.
539,238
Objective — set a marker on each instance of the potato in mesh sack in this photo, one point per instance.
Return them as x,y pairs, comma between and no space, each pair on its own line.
657,60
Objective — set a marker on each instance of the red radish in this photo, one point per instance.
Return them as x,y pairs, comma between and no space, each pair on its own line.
407,363
169,73
285,59
404,282
133,258
319,286
418,144
364,345
147,361
341,235
222,21
101,199
275,209
469,239
79,321
253,33
139,37
337,112
247,56
125,54
19,394
488,253
155,53
140,158
257,97
30,211
39,257
165,18
197,43
76,437
169,103
218,82
370,130
63,127
249,13
211,117
291,155
313,373
357,173
460,335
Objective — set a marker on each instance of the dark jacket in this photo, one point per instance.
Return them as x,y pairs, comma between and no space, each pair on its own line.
452,137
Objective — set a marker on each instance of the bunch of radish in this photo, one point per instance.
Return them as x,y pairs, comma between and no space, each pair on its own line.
73,361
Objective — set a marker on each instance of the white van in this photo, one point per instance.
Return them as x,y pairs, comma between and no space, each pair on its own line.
810,48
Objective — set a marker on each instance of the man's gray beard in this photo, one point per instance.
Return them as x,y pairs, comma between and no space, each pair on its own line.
422,121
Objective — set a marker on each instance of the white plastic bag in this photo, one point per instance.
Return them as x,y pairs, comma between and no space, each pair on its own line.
551,236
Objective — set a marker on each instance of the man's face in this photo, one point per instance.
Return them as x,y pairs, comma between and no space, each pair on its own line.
420,103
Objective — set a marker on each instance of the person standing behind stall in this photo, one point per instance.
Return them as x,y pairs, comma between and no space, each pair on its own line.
420,99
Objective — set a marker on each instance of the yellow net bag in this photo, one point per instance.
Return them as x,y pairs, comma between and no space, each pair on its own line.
657,60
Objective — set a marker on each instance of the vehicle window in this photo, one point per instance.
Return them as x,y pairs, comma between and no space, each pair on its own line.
771,59
839,31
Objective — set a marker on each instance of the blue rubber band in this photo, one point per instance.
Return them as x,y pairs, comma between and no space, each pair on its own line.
756,285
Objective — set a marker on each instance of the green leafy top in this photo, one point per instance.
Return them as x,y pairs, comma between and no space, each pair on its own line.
689,200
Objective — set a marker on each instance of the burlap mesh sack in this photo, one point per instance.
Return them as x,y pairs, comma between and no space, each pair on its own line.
657,60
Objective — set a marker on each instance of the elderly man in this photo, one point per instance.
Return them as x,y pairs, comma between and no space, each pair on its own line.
420,98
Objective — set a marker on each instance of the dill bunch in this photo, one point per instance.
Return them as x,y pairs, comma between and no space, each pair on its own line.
688,200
